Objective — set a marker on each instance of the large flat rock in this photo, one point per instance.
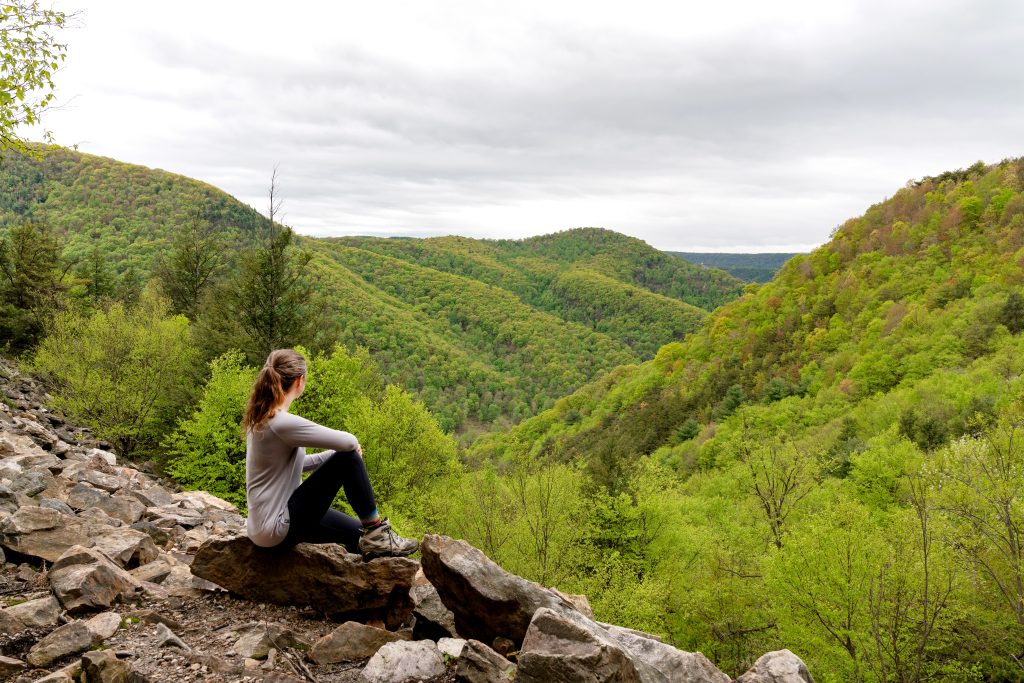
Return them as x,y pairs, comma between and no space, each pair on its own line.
325,577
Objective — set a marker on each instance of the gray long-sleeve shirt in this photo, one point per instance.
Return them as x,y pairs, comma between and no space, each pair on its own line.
274,462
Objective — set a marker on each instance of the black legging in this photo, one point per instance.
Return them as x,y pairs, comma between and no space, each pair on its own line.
309,507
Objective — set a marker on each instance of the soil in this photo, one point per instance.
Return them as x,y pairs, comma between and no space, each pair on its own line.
206,624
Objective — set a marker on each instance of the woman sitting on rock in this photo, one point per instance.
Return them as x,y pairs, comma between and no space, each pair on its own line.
283,509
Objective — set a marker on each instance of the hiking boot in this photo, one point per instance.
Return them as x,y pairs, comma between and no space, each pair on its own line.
382,541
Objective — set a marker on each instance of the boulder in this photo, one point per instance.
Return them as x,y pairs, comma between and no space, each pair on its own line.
54,504
106,456
433,619
8,499
125,508
103,626
351,641
83,579
33,482
165,637
167,516
487,601
781,666
404,661
480,664
565,647
10,666
153,496
127,547
103,666
107,482
69,639
569,646
154,572
38,613
201,500
82,496
321,576
258,638
42,533
676,665
451,646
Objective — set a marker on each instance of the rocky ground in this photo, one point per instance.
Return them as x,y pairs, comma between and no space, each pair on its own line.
111,574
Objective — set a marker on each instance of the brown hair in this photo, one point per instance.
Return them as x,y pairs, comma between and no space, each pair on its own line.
278,374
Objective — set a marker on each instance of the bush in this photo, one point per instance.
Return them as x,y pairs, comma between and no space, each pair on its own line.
120,371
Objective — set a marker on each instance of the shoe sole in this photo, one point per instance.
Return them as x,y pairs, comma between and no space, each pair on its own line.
373,555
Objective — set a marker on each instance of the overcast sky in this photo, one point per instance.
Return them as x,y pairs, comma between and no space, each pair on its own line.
706,126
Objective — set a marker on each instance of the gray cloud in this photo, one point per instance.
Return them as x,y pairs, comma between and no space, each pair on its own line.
756,138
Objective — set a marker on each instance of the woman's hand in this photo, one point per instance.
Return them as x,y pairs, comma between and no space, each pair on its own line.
359,450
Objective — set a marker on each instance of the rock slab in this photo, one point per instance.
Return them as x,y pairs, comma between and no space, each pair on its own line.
321,576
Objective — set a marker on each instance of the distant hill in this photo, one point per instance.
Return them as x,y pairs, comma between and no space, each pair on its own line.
746,267
483,331
809,453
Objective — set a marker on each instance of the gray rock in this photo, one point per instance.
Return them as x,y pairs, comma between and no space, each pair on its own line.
153,496
37,613
125,508
165,637
351,641
487,601
433,619
320,576
54,533
404,661
257,639
107,482
103,666
83,579
480,664
82,496
68,639
676,666
127,547
201,500
10,666
567,646
154,572
103,626
54,504
8,499
451,646
160,536
38,458
33,482
167,516
781,666
30,518
106,456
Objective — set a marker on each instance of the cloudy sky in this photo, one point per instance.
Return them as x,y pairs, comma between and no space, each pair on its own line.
722,126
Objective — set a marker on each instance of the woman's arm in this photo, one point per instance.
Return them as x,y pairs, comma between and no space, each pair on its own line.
298,431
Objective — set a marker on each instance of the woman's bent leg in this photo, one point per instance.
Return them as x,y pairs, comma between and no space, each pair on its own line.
335,527
310,502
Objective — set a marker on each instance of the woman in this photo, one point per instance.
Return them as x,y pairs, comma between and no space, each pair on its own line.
283,509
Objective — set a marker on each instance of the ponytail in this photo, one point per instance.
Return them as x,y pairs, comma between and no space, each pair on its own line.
276,377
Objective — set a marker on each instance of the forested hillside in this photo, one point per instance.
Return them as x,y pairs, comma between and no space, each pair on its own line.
748,267
486,332
122,211
834,462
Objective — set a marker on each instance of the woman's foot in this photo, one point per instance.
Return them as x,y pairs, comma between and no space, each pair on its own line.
382,541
